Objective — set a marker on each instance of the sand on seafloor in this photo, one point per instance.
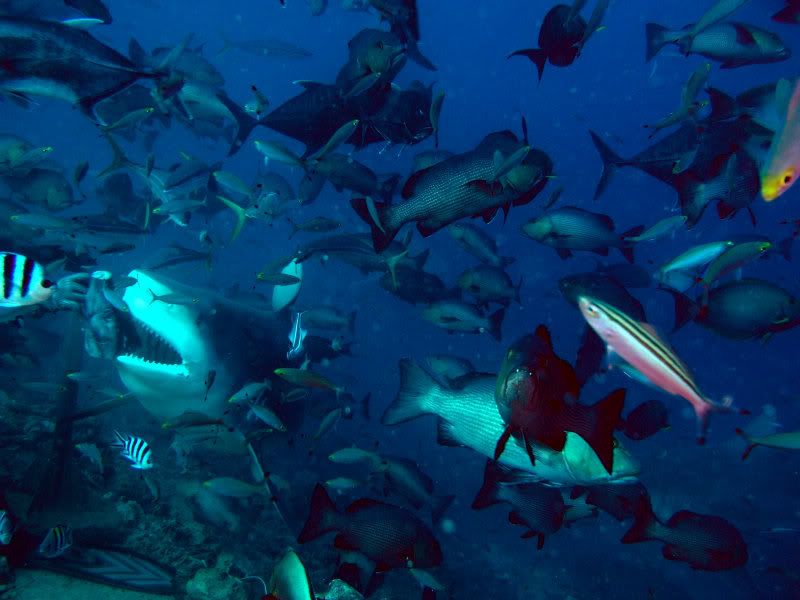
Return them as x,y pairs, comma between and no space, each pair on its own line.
44,585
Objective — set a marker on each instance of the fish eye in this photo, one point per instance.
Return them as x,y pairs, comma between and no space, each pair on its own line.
47,284
380,45
787,179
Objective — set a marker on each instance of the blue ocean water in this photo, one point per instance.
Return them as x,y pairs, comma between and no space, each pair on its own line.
609,89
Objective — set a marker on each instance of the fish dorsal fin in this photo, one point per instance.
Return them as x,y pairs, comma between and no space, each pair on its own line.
543,333
607,221
362,504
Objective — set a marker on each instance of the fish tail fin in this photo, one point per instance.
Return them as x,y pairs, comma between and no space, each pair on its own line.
604,418
439,505
496,324
789,14
611,162
238,212
723,106
389,185
118,158
382,235
414,53
657,37
628,241
535,55
245,123
414,396
322,516
685,308
644,522
750,443
487,495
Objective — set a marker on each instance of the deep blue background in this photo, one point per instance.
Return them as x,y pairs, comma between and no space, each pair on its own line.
609,89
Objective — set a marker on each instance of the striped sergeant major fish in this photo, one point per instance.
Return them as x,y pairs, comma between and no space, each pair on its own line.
639,345
56,542
22,281
135,449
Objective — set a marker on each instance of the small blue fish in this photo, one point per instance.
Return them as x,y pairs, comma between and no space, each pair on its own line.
56,542
296,336
6,528
135,449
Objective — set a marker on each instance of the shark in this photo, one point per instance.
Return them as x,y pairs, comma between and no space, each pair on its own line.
179,348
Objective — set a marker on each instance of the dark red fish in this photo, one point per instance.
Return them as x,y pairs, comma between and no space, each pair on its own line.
536,507
620,501
706,542
537,393
390,536
645,420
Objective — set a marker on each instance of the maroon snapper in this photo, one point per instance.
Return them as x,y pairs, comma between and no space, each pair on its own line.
388,535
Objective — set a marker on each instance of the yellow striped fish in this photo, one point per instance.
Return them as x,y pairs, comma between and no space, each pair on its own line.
640,346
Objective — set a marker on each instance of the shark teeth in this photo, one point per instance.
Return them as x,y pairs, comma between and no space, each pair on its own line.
173,370
151,348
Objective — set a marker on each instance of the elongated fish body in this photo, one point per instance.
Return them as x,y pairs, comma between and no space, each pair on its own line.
461,186
737,44
749,309
312,116
57,61
639,345
782,167
733,44
440,195
469,417
290,580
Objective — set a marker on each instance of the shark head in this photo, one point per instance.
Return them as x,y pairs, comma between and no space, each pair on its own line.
166,357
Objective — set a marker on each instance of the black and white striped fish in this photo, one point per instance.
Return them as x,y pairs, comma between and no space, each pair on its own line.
56,542
135,449
22,281
6,528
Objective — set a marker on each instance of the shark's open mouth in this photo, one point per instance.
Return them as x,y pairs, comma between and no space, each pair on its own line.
144,345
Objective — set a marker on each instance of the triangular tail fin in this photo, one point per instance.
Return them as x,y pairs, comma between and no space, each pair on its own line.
373,214
321,517
611,162
535,55
596,424
487,495
657,37
643,522
412,398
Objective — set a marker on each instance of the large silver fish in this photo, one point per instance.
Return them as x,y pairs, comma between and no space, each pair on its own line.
469,417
